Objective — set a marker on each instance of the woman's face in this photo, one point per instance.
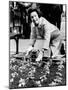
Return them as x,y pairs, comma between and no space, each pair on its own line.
34,17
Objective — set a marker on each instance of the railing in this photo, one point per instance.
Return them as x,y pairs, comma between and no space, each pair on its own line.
16,37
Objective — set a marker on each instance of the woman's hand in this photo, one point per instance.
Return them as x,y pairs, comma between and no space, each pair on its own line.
40,56
30,48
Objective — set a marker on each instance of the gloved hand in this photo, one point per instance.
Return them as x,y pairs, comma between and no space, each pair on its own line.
29,49
39,56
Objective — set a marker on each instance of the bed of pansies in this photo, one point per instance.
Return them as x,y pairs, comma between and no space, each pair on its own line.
25,72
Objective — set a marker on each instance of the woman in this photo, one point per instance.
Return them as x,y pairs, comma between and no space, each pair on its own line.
43,29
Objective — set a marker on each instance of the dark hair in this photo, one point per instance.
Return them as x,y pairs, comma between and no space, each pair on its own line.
36,10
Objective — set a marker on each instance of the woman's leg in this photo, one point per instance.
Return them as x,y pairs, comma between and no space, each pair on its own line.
55,43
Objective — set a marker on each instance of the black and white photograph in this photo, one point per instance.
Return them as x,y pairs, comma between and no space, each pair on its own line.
37,44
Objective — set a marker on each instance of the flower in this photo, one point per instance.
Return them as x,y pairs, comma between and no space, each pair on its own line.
58,80
43,78
38,83
21,82
14,74
53,83
12,60
11,80
58,73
